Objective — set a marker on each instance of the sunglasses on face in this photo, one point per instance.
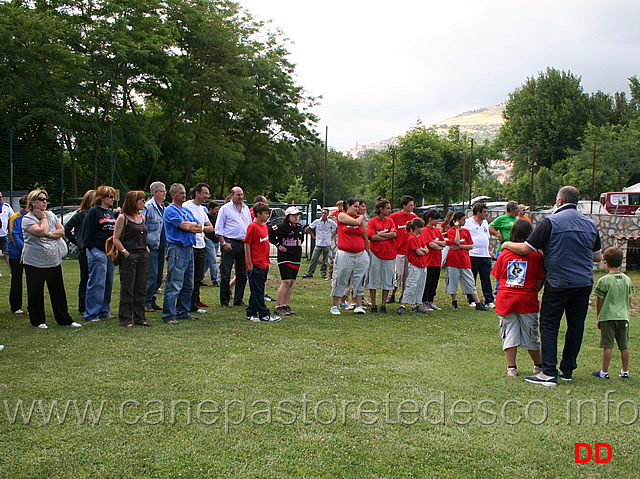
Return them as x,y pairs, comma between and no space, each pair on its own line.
42,199
111,196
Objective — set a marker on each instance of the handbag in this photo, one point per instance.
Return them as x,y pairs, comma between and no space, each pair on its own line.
110,248
63,249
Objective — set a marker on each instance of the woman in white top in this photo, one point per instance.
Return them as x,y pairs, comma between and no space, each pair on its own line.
42,261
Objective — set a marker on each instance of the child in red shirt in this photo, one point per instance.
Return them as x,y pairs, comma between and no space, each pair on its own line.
256,252
458,262
519,280
417,251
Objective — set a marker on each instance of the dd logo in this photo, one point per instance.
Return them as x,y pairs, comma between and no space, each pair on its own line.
597,447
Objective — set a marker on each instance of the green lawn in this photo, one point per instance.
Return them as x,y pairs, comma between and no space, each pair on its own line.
313,395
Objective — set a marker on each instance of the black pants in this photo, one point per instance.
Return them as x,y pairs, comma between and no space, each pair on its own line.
15,295
573,303
482,267
84,278
257,280
229,258
133,287
199,257
431,285
36,278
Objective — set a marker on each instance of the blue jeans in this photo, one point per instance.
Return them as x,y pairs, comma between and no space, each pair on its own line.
257,279
98,297
177,291
154,274
211,262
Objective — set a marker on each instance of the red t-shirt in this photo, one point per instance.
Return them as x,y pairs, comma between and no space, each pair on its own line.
413,244
350,238
400,220
382,249
433,233
517,282
459,258
258,238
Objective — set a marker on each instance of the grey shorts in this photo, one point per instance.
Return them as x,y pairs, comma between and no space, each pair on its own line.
350,268
520,329
614,332
401,270
383,270
463,276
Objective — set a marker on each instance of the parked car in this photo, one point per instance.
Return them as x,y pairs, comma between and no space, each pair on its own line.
276,216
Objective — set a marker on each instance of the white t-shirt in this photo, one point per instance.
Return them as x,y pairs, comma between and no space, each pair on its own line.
199,214
480,237
5,214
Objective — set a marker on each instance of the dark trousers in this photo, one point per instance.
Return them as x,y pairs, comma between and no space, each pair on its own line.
133,287
257,280
229,258
36,278
573,303
482,267
15,295
431,285
199,257
84,278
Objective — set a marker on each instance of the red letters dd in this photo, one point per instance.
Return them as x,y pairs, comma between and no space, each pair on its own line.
598,446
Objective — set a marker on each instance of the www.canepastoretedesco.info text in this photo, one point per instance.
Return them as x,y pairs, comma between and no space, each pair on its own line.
228,413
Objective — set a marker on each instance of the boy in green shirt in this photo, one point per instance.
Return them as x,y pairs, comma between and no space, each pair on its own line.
613,292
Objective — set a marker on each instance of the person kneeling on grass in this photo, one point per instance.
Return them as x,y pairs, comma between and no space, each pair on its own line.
256,250
458,262
417,258
519,280
287,237
614,292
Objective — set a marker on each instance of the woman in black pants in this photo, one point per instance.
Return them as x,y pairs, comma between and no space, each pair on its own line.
73,232
130,238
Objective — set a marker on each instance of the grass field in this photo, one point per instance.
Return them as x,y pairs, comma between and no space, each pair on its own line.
313,395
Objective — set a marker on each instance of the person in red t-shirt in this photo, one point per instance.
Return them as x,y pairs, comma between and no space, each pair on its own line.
417,256
352,259
519,280
400,219
256,252
382,234
435,243
458,262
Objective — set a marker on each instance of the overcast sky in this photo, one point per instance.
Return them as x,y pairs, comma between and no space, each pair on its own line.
381,66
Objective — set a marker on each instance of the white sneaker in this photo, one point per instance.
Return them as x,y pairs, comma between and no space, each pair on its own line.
201,311
335,310
359,310
1,347
472,304
434,307
75,325
19,311
350,305
536,370
43,326
491,305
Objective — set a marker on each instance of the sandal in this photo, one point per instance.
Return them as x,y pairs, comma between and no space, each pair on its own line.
128,325
146,324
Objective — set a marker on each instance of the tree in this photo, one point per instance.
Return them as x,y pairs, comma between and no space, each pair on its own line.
551,111
297,193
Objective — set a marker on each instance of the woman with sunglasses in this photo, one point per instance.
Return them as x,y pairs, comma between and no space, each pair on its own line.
98,225
42,261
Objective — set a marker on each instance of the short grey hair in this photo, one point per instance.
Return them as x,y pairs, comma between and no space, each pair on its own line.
512,205
176,187
155,186
569,194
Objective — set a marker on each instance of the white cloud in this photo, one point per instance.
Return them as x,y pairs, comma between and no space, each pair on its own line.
382,65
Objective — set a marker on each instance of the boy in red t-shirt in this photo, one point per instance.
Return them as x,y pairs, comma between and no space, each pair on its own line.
519,280
458,262
256,252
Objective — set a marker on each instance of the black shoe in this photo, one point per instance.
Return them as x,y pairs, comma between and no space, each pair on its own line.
268,298
226,306
374,309
400,310
215,285
391,299
454,305
565,376
155,307
241,303
481,307
307,276
542,379
383,310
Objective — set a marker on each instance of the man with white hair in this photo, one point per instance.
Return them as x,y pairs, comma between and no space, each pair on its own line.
156,241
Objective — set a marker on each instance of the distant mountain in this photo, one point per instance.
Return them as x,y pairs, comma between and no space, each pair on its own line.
480,124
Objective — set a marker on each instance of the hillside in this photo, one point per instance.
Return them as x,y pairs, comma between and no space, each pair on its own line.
480,124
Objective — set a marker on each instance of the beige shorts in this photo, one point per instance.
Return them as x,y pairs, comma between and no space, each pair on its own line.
520,329
402,265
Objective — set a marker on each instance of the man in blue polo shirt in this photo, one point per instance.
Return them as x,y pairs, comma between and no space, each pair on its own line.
180,230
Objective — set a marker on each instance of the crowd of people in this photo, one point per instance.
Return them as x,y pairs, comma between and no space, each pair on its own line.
390,252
